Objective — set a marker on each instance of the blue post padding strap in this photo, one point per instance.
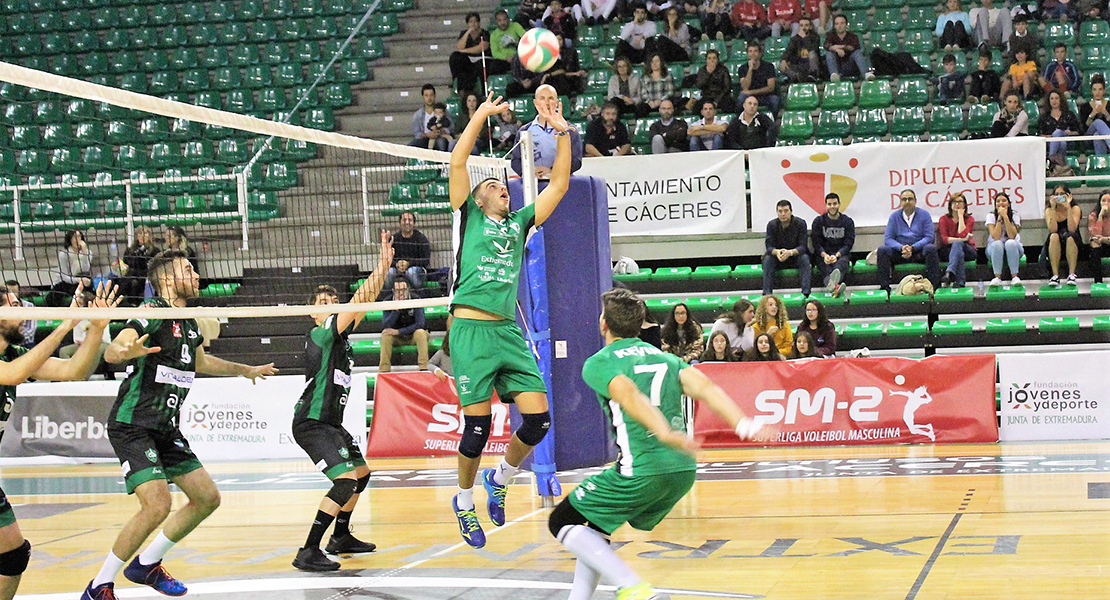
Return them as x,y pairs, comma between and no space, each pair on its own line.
536,309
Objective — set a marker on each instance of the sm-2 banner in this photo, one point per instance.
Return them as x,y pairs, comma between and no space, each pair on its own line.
681,193
869,177
416,414
858,400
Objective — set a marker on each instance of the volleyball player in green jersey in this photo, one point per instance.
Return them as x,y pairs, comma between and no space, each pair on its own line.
488,349
18,364
143,429
640,389
318,419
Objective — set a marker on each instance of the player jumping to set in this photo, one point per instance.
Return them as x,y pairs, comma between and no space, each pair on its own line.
318,419
640,388
18,364
489,351
143,429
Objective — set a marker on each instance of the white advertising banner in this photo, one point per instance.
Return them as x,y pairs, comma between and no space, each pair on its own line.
869,177
1048,399
682,193
224,418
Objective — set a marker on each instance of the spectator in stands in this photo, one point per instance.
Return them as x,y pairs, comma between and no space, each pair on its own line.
819,13
818,326
955,231
174,238
469,109
682,334
673,42
991,25
595,12
716,20
758,78
833,236
750,20
524,81
543,138
764,350
954,28
668,134
708,132
842,52
1098,227
635,34
440,362
1061,74
804,346
1062,214
736,324
1011,120
1057,121
908,238
560,22
607,135
1023,39
505,131
656,86
421,135
784,15
412,253
717,350
1092,114
503,40
802,59
786,248
649,329
1056,9
715,83
986,85
771,319
30,325
466,61
441,125
624,86
750,129
1004,239
530,13
1090,9
1023,78
950,85
406,326
566,76
74,265
135,259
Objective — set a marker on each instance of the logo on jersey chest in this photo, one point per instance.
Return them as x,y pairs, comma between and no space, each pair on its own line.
176,329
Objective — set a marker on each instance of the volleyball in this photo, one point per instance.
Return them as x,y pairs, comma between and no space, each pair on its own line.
538,50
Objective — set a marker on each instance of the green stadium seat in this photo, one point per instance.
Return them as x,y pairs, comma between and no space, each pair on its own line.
84,208
231,151
353,71
886,40
185,58
262,205
55,43
1050,293
912,92
31,161
279,176
204,34
875,94
980,117
256,77
48,211
747,272
833,124
300,150
796,124
1055,33
288,75
103,187
320,118
660,305
672,274
907,328
1094,57
164,82
908,120
839,95
1092,32
712,272
887,19
704,303
1058,325
65,160
1008,326
95,158
997,293
165,154
79,109
215,57
372,48
921,17
152,61
224,202
337,95
1101,323
175,183
239,101
292,30
871,122
864,329
189,204
802,96
953,327
861,297
1100,290
7,212
56,135
19,114
154,129
153,205
197,153
270,100
961,294
196,80
947,119
919,42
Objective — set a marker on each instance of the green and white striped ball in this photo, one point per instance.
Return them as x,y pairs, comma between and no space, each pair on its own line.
538,50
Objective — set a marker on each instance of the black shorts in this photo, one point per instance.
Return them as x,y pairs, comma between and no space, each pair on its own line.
149,454
332,449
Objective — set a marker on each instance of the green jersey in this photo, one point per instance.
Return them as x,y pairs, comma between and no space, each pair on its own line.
7,392
158,383
656,374
327,367
489,258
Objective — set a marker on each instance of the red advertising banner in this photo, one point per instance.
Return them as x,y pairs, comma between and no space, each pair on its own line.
416,414
856,401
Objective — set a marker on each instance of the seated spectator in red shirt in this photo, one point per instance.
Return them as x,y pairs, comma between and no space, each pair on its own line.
842,52
750,20
955,232
1098,226
784,15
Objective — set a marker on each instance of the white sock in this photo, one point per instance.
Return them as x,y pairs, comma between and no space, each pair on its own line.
591,548
585,582
504,472
465,499
156,550
108,572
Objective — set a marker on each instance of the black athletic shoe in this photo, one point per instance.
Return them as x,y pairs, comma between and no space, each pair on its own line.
348,544
313,559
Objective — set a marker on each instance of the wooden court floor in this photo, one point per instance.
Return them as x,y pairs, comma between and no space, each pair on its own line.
1009,521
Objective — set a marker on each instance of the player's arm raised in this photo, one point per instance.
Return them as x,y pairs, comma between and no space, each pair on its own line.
459,176
636,405
549,198
696,385
83,362
369,290
211,365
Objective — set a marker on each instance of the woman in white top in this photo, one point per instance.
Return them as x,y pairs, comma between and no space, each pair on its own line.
735,324
74,263
1003,237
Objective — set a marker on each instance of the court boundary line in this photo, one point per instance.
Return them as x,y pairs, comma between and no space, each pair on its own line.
928,566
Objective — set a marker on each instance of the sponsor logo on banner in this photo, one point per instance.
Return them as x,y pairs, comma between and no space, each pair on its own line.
174,377
224,416
415,414
859,401
42,427
1049,401
870,177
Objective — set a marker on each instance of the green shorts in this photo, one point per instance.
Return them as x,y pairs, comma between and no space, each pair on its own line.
610,499
492,355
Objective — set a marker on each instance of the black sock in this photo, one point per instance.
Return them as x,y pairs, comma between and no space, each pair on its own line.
342,524
319,526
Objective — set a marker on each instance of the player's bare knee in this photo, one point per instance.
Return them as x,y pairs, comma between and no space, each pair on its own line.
208,500
534,427
475,435
14,562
